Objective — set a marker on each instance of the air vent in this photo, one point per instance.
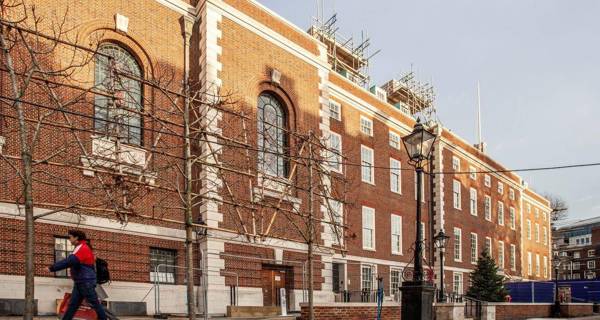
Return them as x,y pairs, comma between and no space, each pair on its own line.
15,307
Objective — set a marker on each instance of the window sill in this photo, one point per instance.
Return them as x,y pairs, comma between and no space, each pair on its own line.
274,187
369,182
369,249
129,159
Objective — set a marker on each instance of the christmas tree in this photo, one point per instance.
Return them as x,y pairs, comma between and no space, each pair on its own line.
486,283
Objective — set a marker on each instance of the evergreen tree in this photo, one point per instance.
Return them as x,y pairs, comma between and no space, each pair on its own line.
486,283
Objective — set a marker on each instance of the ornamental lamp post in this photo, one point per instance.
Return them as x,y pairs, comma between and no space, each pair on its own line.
417,295
440,243
556,306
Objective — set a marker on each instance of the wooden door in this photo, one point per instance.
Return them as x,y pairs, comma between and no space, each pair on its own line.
272,281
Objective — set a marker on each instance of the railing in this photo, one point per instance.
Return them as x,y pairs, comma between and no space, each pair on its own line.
356,296
473,308
448,297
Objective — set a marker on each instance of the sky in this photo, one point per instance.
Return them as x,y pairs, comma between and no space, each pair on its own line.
537,62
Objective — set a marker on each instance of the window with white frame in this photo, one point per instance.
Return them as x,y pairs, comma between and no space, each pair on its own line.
537,264
544,215
472,173
537,213
395,280
591,253
62,249
528,206
335,110
576,255
474,252
528,229
456,194
337,216
366,126
590,275
334,152
487,208
422,187
367,161
394,140
396,234
576,265
473,201
162,265
500,213
458,282
545,267
576,276
500,187
511,194
513,254
395,176
487,180
368,228
455,163
513,219
367,273
529,264
591,264
537,233
457,244
501,254
488,245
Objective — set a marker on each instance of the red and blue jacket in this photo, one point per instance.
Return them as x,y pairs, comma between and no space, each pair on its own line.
81,262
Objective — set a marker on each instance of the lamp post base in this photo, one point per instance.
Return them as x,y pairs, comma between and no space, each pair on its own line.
556,309
417,300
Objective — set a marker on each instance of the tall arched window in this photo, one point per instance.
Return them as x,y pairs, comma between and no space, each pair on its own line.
272,137
115,74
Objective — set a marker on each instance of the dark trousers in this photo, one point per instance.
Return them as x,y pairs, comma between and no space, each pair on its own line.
87,291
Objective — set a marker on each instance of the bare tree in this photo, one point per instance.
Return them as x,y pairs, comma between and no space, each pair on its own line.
200,148
559,208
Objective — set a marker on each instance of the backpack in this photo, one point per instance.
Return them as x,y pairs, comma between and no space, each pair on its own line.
102,273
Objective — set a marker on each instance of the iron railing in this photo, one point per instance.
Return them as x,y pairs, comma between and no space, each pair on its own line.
473,308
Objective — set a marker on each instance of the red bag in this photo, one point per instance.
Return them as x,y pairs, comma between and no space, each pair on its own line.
85,312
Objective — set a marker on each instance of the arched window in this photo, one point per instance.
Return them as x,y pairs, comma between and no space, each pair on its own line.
272,138
116,72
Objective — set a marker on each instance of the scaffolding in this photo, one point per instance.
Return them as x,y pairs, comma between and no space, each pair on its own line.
411,96
347,56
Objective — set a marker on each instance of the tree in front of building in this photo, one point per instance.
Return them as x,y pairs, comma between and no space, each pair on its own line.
559,208
486,283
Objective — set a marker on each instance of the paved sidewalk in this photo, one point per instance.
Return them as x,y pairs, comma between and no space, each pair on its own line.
291,317
595,317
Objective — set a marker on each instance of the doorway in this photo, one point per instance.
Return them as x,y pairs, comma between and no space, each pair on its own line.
273,279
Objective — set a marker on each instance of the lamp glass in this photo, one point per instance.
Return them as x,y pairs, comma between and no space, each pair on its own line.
440,240
418,144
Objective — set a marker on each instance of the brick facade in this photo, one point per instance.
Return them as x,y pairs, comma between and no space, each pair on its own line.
236,46
352,312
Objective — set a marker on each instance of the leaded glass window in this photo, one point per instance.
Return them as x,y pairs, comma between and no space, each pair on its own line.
272,138
117,106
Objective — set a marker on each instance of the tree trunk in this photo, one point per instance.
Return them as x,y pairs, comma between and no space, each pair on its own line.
311,311
29,238
189,228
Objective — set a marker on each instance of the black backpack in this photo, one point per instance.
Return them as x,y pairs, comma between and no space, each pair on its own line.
102,273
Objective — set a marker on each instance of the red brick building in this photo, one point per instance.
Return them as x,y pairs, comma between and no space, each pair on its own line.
265,62
576,245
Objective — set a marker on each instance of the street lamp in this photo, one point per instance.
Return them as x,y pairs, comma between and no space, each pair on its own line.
440,243
417,296
556,306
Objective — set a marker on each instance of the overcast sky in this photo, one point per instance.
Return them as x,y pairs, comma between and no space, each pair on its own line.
538,63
